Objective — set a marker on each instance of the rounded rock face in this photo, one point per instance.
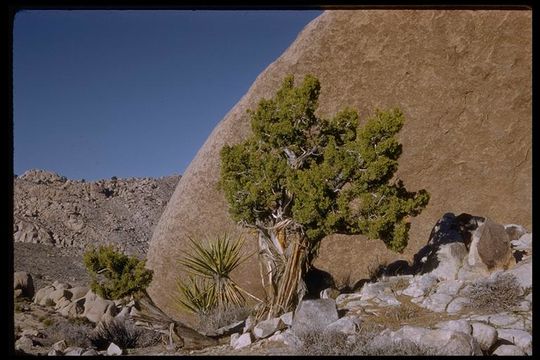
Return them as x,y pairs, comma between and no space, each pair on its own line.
462,79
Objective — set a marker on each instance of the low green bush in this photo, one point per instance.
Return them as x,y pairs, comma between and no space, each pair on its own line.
115,275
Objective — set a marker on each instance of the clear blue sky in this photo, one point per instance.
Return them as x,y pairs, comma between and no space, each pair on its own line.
133,93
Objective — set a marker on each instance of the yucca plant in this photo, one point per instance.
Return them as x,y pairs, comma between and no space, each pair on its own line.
212,263
196,295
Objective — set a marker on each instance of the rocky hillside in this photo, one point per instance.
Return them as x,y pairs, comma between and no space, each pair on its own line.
51,210
463,81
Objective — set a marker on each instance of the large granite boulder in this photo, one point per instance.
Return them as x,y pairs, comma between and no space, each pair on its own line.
461,77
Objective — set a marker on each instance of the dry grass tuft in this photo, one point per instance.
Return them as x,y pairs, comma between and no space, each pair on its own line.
502,293
365,342
74,333
408,313
217,318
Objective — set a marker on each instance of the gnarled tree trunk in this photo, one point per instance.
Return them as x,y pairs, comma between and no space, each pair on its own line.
283,262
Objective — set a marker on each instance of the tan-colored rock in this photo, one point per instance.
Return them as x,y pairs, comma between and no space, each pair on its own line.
23,281
96,307
490,247
462,79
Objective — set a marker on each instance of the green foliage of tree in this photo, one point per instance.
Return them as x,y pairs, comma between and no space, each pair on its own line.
311,176
115,275
326,175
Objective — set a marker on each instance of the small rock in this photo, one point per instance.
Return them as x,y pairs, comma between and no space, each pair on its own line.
524,243
114,349
249,324
372,290
278,336
452,342
450,257
23,281
54,353
514,231
520,338
456,325
346,325
42,294
56,295
457,305
95,307
287,318
24,342
469,273
266,328
60,345
450,287
243,341
523,306
386,300
62,303
90,352
30,332
420,285
484,334
412,333
436,302
234,338
78,292
58,285
314,314
523,273
508,350
73,351
503,320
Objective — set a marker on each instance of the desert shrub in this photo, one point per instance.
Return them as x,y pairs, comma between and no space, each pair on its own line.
501,293
75,334
124,334
210,286
115,275
217,318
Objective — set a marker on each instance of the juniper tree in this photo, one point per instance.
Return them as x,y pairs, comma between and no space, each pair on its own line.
300,177
115,275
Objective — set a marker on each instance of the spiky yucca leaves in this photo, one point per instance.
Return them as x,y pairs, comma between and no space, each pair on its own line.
196,295
211,263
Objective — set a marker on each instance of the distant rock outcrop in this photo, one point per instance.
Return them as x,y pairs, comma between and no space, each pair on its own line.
52,210
462,79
